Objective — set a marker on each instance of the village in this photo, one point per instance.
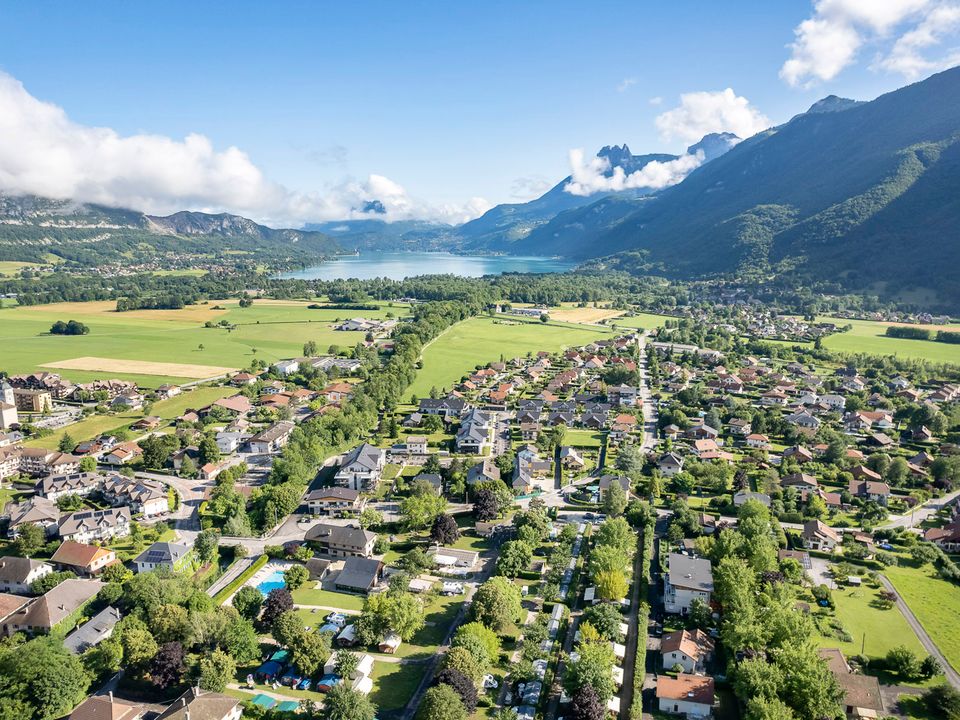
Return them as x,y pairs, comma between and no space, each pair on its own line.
556,531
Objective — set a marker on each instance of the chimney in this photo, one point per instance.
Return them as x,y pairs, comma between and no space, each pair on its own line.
110,695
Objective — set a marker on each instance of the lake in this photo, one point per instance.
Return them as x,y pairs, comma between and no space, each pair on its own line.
400,265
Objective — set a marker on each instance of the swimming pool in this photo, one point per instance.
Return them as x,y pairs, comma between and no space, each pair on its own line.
271,582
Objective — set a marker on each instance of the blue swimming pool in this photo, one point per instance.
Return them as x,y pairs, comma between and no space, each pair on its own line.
273,581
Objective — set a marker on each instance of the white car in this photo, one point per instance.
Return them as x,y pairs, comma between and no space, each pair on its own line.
490,682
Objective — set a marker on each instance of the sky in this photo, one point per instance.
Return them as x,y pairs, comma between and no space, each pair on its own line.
296,112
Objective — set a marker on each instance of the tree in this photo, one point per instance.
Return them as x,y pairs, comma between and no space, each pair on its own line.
903,662
485,506
66,444
445,530
930,667
943,701
43,676
208,450
370,518
169,623
586,705
279,601
30,539
139,647
310,349
116,573
924,553
48,582
241,641
287,628
420,510
762,708
614,500
88,464
593,667
515,556
167,667
104,658
248,601
216,670
310,651
606,618
462,685
441,702
343,703
345,664
611,585
497,603
206,546
462,660
295,576
480,641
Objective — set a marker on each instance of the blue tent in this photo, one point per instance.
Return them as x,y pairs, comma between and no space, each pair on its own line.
269,670
264,701
288,706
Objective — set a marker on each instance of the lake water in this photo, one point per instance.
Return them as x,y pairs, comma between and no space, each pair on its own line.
400,265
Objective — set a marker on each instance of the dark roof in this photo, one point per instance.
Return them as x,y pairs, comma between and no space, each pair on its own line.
359,573
93,631
163,552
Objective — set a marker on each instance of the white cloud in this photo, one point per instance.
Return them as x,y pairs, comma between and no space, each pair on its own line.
592,175
701,113
831,38
45,153
626,84
657,100
527,188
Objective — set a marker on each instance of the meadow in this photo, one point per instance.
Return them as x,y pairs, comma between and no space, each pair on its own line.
935,602
480,340
270,330
868,337
647,321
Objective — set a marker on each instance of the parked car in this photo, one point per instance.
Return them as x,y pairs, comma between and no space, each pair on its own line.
305,684
490,682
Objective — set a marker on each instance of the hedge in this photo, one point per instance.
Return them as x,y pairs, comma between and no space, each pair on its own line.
234,585
643,618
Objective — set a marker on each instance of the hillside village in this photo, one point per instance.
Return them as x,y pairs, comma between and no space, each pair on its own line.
554,532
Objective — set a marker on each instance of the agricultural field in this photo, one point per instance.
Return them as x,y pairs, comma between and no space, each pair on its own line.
480,340
647,321
934,602
868,337
10,268
269,330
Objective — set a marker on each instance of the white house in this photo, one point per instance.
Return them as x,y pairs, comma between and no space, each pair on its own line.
690,695
688,579
688,649
361,468
286,367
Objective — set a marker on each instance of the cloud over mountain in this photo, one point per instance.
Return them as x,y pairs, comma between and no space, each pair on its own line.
701,113
44,152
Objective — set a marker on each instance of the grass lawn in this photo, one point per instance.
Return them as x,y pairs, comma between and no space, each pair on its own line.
276,329
583,438
472,542
935,602
13,267
480,340
309,596
647,321
868,337
876,631
394,684
87,428
190,400
126,549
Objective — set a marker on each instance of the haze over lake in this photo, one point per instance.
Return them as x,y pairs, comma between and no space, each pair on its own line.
400,265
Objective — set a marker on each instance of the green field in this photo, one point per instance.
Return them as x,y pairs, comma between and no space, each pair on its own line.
868,337
647,321
12,267
935,602
275,329
94,425
480,340
874,631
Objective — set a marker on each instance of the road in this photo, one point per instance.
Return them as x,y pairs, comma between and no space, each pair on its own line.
921,512
929,645
648,404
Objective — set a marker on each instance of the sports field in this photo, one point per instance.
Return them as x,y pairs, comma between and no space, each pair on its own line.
269,331
480,340
868,337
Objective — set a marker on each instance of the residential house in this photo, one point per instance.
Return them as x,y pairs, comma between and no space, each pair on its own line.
272,439
448,408
107,707
342,540
197,704
799,480
54,487
35,511
335,501
90,525
862,698
286,367
484,471
233,405
691,650
434,480
670,464
361,468
93,632
359,575
689,695
473,437
870,490
148,498
168,555
84,560
687,579
454,561
123,454
758,441
46,612
416,445
529,469
17,573
607,480
819,536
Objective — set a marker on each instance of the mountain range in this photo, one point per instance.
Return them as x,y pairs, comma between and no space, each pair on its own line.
856,195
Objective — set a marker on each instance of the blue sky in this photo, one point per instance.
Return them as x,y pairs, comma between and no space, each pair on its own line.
451,101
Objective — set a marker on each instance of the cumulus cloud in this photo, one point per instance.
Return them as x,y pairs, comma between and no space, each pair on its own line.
43,152
657,100
700,113
526,188
901,30
593,175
